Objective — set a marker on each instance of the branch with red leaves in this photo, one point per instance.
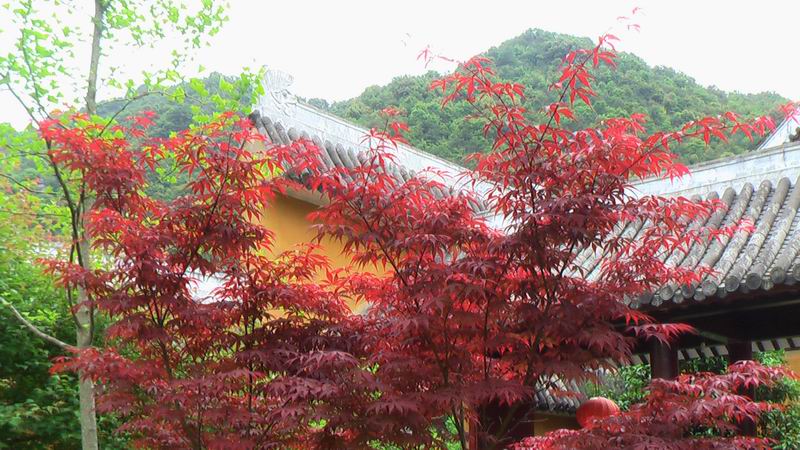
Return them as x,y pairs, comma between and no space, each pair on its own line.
679,414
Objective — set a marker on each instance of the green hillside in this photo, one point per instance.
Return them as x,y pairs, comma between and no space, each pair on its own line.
669,98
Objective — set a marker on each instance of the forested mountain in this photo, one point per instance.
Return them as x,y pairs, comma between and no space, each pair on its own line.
669,98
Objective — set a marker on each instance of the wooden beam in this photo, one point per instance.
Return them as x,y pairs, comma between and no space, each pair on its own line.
713,309
663,360
778,321
714,337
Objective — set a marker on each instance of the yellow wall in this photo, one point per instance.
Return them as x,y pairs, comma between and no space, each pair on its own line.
793,360
287,217
544,423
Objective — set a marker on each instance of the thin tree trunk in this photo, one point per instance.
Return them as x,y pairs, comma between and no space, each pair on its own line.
85,330
88,418
84,314
94,63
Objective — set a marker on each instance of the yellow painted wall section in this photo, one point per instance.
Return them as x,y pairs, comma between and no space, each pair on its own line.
544,423
793,360
287,217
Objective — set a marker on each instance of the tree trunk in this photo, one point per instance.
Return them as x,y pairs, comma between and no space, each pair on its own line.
86,393
94,62
88,418
85,313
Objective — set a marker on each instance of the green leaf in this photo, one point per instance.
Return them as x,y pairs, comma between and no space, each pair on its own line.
225,86
198,87
179,95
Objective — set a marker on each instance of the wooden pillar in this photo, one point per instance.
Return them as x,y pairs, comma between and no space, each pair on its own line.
663,360
740,351
743,351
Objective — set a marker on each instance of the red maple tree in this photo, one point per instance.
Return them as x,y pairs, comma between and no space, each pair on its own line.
474,320
468,319
262,361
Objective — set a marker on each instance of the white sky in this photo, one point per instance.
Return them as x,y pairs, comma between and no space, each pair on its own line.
335,49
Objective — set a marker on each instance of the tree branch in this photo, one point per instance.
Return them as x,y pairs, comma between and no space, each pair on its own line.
123,108
23,185
94,62
34,329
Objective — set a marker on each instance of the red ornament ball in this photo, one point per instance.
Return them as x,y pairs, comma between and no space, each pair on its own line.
595,408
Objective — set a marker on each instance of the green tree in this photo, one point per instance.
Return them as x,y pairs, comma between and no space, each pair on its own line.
36,409
44,70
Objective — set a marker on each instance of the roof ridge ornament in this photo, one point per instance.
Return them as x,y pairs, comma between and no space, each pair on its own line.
277,95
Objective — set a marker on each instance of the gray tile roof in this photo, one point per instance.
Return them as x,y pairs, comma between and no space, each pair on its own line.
758,260
564,398
337,155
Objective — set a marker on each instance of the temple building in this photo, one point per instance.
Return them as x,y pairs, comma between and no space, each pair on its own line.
750,304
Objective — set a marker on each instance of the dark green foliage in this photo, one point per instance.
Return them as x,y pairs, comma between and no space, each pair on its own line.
626,386
715,364
37,410
181,106
784,427
669,98
447,439
771,358
781,425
